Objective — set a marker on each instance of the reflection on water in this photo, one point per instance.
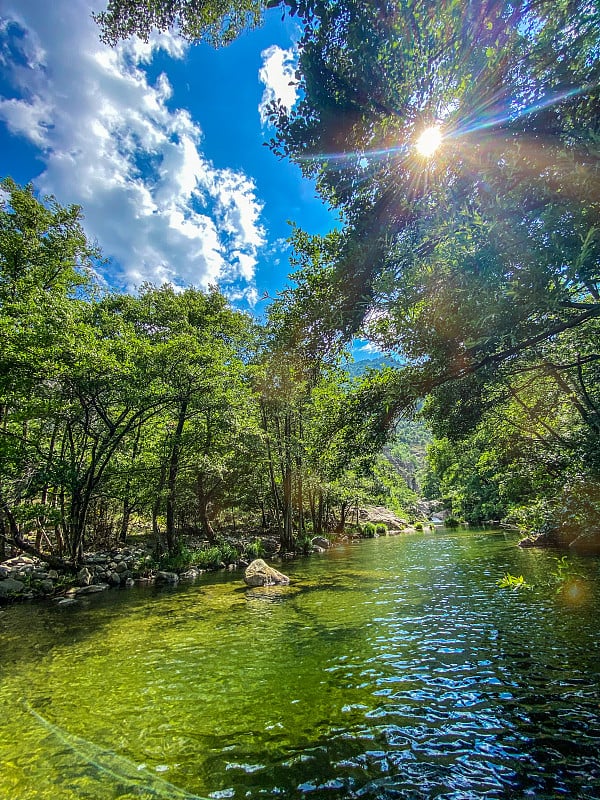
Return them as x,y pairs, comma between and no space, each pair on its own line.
393,668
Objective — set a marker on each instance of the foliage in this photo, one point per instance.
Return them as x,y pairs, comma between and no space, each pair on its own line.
255,549
381,529
216,22
169,408
477,267
451,522
513,582
369,530
303,544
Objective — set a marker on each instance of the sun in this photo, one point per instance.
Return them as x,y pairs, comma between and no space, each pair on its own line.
429,141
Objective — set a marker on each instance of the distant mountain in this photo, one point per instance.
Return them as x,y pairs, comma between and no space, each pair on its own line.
358,368
407,446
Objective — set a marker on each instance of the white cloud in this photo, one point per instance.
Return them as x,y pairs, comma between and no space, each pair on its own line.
110,142
278,75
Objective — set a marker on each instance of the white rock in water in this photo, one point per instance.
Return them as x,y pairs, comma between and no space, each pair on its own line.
259,573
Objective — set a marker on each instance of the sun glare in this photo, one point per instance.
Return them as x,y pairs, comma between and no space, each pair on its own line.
429,141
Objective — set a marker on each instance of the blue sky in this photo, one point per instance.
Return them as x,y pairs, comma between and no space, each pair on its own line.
161,144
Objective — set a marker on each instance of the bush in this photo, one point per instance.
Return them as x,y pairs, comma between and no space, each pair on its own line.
381,529
209,558
181,558
255,549
213,557
303,544
418,526
229,553
451,522
368,530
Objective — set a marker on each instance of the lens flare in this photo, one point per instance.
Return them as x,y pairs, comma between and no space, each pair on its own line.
429,141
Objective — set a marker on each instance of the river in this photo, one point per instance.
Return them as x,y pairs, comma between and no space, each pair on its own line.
390,668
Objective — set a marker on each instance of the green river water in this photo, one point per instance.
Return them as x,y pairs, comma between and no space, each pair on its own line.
390,668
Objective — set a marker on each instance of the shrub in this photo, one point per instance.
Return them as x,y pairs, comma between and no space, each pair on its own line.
368,530
303,544
229,553
451,522
181,558
381,529
255,549
418,526
211,557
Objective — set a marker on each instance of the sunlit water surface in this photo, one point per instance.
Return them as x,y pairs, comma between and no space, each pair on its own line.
393,668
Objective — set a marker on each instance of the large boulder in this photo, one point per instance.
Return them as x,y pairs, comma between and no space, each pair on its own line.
380,515
259,573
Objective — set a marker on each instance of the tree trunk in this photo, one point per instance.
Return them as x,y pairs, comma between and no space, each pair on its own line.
287,536
172,478
203,502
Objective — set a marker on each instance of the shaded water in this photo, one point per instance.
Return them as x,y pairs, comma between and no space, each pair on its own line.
393,668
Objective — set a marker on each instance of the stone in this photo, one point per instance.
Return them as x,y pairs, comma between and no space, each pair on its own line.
380,515
321,541
121,567
190,574
259,573
91,589
114,579
84,577
66,601
167,577
10,586
53,575
129,582
47,586
4,572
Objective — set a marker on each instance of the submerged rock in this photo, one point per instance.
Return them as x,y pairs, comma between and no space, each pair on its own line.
259,573
91,589
167,577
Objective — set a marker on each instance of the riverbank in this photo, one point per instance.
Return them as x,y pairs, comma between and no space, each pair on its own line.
25,577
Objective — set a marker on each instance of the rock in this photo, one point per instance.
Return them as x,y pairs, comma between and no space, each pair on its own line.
53,575
4,572
270,544
190,574
114,579
129,582
317,549
10,586
91,589
321,541
167,577
66,601
84,577
121,567
259,573
381,515
47,586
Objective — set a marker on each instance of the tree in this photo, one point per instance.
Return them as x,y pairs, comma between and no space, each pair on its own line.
492,245
218,22
45,265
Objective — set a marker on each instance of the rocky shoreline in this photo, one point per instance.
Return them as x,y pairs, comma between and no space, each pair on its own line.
26,578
